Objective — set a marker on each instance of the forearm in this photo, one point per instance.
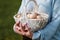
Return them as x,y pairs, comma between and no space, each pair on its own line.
48,32
50,29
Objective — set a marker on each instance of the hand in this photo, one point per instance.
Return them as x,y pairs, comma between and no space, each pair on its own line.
22,29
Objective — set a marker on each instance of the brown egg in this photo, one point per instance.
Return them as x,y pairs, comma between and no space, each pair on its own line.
32,15
28,15
38,17
18,15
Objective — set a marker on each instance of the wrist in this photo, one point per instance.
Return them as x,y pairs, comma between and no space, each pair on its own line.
31,35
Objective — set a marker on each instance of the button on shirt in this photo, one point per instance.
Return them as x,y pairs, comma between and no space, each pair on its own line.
52,29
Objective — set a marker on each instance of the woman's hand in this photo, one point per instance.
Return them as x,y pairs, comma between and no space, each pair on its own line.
22,29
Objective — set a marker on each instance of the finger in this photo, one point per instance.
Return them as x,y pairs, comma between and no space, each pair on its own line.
27,33
27,27
21,32
23,26
18,30
14,27
17,23
17,27
20,24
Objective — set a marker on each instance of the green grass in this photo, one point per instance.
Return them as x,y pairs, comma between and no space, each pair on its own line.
8,8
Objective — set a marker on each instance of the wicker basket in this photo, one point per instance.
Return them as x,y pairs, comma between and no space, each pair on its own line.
34,24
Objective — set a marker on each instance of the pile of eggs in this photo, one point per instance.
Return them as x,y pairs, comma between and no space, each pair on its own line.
30,16
33,16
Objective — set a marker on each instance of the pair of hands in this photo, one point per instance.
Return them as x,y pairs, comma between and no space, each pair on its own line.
23,29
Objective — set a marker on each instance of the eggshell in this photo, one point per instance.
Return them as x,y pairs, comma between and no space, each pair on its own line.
28,15
38,17
18,16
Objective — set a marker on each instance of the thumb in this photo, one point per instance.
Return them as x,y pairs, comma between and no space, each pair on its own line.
17,23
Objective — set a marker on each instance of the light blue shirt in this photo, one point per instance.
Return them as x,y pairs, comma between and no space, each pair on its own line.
52,29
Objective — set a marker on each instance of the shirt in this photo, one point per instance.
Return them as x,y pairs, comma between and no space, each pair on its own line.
52,29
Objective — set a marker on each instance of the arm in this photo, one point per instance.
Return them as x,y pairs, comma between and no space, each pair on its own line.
50,29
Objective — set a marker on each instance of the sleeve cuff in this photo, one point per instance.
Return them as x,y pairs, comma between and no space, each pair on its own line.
36,35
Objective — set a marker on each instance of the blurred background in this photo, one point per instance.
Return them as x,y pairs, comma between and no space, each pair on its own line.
8,8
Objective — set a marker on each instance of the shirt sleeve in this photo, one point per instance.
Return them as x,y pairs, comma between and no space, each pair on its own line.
50,29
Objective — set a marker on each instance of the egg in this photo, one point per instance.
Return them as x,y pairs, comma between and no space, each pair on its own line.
28,15
38,17
32,15
18,15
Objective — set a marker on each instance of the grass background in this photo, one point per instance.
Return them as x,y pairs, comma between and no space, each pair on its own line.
8,8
